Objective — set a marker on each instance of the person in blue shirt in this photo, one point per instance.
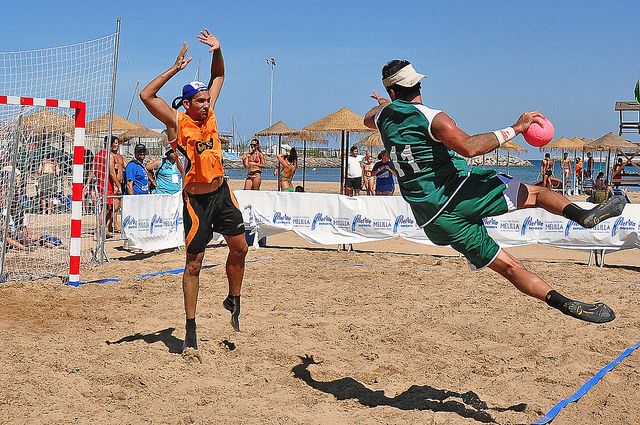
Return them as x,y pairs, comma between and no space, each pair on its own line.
136,173
167,175
384,171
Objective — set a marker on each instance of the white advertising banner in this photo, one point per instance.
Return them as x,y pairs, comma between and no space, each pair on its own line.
336,219
152,222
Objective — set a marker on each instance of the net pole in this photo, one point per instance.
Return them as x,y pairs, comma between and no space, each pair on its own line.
102,254
14,164
76,193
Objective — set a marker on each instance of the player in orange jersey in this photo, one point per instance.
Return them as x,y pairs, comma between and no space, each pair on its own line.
209,205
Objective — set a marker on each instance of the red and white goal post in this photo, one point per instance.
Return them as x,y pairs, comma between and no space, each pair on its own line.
77,173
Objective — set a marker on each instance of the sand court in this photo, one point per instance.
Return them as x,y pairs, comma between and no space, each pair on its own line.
328,337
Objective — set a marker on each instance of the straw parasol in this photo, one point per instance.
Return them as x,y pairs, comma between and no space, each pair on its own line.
609,142
371,141
343,121
278,129
305,136
45,121
511,146
564,143
120,125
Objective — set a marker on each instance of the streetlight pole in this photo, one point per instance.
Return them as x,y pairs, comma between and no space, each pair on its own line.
271,62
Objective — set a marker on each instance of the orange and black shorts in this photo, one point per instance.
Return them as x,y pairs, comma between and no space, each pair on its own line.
209,213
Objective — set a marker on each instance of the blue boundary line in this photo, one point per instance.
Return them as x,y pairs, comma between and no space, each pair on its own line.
586,386
160,273
107,280
174,271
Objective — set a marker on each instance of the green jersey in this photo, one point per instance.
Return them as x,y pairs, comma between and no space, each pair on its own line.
429,174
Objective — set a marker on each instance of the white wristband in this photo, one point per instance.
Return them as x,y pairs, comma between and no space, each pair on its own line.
505,134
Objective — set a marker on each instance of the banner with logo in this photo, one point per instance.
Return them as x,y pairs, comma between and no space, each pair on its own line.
329,219
152,222
335,219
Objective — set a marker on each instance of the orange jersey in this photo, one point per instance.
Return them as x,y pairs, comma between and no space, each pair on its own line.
198,149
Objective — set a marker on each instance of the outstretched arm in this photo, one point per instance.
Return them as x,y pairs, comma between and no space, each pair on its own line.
445,129
369,118
157,106
217,64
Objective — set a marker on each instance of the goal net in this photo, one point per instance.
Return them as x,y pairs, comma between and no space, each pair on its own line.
37,155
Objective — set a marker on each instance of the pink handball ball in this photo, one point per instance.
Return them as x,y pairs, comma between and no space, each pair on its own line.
539,135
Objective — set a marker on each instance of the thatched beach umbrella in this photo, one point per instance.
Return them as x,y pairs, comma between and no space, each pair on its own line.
511,146
343,121
45,121
371,141
306,136
120,125
564,143
278,129
609,142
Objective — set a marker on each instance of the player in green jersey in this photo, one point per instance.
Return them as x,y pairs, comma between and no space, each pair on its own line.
449,201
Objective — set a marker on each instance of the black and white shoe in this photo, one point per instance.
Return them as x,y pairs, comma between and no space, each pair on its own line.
612,207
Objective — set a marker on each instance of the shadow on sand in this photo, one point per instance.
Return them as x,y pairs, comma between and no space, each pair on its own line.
417,397
165,336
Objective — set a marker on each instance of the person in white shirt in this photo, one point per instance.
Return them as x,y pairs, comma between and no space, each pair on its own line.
353,181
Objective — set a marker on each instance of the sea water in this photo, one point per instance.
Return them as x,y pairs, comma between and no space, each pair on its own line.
525,174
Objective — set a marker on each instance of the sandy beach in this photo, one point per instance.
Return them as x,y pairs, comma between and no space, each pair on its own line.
391,333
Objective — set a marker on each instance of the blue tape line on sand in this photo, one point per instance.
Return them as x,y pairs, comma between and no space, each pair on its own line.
174,271
112,279
586,387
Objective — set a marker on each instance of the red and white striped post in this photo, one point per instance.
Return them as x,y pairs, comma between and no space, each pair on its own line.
78,167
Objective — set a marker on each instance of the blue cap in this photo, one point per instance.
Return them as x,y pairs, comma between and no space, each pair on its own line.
193,88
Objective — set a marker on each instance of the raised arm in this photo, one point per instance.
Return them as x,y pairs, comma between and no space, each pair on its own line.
370,117
445,129
283,161
153,165
157,106
217,64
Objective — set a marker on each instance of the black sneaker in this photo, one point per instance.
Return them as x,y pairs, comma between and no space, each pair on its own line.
612,207
232,303
589,312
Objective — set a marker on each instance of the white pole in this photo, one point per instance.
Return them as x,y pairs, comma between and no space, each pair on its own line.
271,62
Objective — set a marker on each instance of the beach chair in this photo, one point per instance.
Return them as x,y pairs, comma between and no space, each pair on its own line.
587,186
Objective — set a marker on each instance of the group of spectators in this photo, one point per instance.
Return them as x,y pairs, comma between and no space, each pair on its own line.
363,173
596,187
20,235
255,162
160,176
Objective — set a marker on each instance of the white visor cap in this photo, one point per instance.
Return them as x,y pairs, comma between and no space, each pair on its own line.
405,77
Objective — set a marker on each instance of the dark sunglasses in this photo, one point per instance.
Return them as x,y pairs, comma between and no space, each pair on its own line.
253,144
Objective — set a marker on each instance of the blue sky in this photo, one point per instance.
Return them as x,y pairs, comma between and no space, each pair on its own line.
487,61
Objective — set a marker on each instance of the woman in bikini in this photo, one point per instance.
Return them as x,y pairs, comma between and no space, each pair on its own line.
254,162
288,166
368,180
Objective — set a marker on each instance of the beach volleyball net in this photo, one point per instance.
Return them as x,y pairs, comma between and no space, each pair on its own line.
49,204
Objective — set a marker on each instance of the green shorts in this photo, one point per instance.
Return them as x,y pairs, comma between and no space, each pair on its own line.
484,194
